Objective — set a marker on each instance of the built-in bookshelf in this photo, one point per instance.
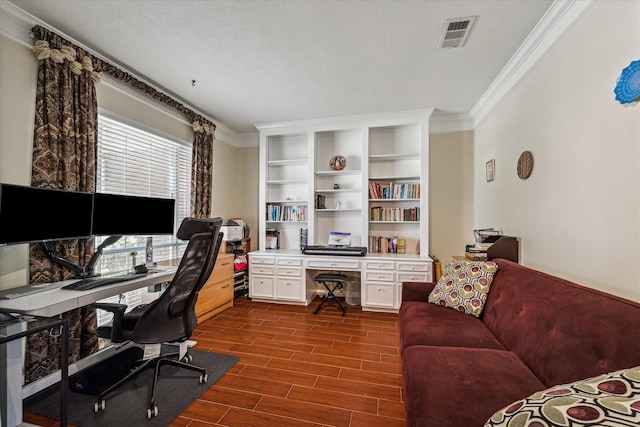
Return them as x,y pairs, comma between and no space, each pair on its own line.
378,194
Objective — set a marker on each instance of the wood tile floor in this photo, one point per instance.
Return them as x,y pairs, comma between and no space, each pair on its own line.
299,369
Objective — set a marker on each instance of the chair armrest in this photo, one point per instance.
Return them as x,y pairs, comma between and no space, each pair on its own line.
416,291
177,305
118,315
112,307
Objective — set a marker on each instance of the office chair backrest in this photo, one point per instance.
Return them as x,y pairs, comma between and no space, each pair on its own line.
172,316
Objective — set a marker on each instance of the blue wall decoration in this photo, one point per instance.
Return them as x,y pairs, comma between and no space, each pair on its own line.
628,85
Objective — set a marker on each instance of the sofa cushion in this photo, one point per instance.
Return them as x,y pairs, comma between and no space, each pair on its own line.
562,331
453,387
429,324
464,286
608,399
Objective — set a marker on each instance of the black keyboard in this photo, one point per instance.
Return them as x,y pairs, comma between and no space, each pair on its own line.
335,250
96,282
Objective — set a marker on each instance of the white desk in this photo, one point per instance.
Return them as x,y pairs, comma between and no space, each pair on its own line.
286,276
51,303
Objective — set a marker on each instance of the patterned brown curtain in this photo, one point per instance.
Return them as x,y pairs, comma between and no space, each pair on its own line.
202,169
64,157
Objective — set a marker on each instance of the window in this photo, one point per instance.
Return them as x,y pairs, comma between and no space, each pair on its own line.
136,161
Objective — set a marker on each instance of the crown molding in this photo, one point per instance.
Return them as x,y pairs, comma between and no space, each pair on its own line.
556,21
446,123
16,24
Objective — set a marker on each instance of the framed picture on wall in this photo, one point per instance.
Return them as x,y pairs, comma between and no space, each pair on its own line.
491,168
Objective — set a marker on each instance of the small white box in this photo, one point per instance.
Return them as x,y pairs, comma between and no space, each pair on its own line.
232,232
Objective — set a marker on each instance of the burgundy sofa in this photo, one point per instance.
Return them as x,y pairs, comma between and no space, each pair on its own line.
536,331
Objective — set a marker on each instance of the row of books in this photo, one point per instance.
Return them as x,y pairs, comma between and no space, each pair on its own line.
286,213
387,245
394,191
378,213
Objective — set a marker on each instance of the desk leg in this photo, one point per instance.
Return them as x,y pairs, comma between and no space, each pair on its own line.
64,381
11,364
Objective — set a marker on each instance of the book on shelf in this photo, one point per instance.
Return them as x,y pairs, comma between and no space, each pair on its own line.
379,213
387,245
286,213
319,201
393,191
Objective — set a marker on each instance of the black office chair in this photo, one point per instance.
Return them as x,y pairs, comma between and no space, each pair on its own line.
172,317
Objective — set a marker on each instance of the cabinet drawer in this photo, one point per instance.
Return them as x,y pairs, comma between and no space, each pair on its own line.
262,269
414,266
380,265
217,293
331,264
213,295
261,287
289,271
294,262
290,289
412,277
379,276
261,260
380,295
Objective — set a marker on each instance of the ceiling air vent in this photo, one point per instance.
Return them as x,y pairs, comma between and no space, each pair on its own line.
456,32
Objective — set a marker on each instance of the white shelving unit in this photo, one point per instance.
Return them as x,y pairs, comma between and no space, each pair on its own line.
384,149
284,194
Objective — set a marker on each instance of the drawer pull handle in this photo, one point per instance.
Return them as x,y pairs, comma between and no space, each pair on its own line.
225,286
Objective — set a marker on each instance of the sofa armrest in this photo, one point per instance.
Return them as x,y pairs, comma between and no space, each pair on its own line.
416,291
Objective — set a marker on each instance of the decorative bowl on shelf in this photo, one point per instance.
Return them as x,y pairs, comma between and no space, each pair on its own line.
337,162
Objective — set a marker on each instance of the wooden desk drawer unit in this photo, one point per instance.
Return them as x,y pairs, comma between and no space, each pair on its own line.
217,294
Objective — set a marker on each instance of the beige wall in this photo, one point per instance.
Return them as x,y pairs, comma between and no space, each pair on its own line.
578,215
450,193
18,72
247,172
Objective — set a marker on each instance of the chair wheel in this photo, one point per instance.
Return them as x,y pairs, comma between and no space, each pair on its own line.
203,378
187,359
99,406
152,412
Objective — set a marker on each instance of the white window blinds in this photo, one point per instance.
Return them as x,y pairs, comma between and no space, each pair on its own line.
135,161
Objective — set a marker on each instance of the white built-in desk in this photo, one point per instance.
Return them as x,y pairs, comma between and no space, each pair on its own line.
286,276
49,303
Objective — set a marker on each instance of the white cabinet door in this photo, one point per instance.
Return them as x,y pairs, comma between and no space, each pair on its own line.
289,289
380,295
261,287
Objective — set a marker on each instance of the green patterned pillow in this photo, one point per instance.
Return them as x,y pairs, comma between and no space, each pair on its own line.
464,286
606,400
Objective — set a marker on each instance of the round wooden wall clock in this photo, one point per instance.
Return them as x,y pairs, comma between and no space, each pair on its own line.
525,164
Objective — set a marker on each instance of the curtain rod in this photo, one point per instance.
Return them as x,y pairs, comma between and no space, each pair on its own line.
100,65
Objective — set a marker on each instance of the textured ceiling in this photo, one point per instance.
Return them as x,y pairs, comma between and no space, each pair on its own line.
273,61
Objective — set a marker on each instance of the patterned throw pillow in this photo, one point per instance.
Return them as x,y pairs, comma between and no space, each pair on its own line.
464,286
606,400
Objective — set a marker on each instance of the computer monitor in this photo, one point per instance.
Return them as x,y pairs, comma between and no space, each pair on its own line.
117,214
31,214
